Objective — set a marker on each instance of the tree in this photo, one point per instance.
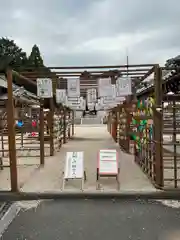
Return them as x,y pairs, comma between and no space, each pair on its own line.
9,49
35,60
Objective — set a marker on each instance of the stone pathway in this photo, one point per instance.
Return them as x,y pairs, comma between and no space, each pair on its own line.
89,139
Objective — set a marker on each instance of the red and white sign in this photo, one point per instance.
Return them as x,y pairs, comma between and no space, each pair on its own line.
108,162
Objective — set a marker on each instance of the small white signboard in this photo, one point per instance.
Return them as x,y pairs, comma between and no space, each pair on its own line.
74,167
44,88
108,163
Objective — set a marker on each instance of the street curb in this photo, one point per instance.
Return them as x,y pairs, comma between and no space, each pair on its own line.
8,217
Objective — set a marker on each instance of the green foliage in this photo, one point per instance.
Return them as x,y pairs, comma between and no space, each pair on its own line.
8,48
17,58
35,60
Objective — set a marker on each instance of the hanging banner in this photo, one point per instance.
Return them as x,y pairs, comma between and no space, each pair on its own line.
82,103
102,84
119,99
114,91
124,86
73,103
91,95
61,96
44,88
73,86
98,105
108,94
91,106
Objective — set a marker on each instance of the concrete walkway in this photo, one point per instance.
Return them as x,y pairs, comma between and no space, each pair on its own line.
89,139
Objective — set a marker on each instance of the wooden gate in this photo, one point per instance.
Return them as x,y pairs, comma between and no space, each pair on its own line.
171,140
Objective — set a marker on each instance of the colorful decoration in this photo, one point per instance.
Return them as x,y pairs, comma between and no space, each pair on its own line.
142,128
20,123
33,134
34,123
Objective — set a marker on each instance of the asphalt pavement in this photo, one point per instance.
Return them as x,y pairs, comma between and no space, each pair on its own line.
96,219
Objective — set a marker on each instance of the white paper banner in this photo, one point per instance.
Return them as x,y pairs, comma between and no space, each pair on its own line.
124,86
74,103
44,88
102,84
73,86
91,95
114,91
61,96
82,103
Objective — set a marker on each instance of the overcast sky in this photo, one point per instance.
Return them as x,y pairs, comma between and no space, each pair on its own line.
88,32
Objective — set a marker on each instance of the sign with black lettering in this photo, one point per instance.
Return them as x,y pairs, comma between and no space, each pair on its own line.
108,162
74,165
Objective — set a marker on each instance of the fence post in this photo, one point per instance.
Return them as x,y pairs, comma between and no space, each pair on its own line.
157,122
51,127
127,129
11,134
64,127
69,124
41,131
72,123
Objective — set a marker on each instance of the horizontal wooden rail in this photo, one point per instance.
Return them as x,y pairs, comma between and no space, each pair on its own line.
134,195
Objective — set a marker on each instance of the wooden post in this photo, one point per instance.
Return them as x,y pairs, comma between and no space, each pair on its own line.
69,126
72,123
117,117
157,122
11,134
64,128
127,128
51,127
41,131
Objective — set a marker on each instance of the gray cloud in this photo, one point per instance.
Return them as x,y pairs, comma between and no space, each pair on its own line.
81,32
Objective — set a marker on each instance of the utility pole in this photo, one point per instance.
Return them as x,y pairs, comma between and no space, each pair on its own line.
127,62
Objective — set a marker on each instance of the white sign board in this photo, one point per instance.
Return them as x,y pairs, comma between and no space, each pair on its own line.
60,95
73,86
44,88
124,86
108,162
74,167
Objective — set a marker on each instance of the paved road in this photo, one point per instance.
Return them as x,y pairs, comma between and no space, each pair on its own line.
90,219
